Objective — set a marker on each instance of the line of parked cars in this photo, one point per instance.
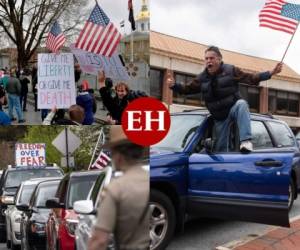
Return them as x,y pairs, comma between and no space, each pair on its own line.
41,208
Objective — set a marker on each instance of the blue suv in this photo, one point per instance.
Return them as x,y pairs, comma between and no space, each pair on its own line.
188,176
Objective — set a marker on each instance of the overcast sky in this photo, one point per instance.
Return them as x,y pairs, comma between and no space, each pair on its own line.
118,11
229,24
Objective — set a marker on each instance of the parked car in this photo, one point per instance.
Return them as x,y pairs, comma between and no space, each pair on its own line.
62,221
188,177
86,209
35,215
11,179
14,216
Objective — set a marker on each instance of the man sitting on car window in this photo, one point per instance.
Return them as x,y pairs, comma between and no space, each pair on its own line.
219,86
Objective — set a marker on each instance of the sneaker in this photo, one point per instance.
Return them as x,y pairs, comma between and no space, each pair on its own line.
246,146
13,119
21,121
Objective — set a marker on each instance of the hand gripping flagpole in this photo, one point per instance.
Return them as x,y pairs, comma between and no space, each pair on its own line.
100,142
289,43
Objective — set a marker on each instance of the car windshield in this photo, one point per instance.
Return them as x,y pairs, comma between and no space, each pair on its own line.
80,188
181,131
15,178
45,192
26,193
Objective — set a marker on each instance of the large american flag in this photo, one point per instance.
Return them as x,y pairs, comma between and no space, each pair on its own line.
101,162
56,38
99,35
280,15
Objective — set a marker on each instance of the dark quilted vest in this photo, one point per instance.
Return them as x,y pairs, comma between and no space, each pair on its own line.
220,91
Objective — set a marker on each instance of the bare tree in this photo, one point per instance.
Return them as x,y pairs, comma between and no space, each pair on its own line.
27,22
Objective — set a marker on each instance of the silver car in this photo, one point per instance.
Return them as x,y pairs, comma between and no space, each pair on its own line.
13,215
87,209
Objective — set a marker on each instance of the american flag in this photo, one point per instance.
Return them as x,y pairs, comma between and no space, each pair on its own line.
280,15
101,162
55,39
99,35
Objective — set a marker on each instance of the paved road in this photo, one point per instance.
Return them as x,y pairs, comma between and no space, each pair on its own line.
206,234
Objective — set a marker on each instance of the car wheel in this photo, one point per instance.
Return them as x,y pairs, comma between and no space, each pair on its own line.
292,193
162,220
8,243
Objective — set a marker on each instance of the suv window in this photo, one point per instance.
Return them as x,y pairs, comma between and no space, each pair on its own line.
282,134
96,187
26,193
62,189
16,177
181,131
260,136
79,189
43,193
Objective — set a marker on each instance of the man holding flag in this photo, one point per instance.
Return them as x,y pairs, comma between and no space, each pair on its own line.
219,86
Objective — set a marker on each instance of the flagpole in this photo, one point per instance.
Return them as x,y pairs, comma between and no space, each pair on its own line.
131,46
289,43
96,147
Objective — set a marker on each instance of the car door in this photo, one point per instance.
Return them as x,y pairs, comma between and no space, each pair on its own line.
250,187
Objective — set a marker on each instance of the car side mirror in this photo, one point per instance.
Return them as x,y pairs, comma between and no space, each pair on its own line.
209,145
23,207
54,203
84,207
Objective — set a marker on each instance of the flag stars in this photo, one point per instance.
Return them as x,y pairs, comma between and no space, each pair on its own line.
291,10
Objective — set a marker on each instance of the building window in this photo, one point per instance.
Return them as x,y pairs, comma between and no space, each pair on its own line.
190,99
156,83
251,95
283,103
142,26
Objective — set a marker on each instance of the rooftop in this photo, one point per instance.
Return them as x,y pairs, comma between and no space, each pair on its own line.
194,52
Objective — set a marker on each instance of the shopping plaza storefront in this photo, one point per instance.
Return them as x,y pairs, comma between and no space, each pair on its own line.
184,59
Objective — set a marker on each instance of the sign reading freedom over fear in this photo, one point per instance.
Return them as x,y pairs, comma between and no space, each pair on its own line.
30,154
93,63
56,83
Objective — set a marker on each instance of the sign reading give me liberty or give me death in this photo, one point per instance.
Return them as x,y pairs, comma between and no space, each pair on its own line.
56,83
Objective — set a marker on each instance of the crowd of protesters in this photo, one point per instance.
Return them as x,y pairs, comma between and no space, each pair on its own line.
14,88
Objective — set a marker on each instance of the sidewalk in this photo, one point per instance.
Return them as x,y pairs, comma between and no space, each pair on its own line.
278,238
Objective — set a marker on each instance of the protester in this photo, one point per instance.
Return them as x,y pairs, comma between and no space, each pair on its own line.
219,86
4,118
13,89
24,90
116,105
86,101
34,81
56,117
124,211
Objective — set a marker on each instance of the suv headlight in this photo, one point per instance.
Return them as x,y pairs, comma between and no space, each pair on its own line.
7,199
37,227
71,225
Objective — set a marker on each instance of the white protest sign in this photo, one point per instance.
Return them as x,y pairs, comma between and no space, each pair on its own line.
93,63
30,154
56,83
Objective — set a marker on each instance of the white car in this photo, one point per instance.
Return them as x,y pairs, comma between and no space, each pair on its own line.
13,215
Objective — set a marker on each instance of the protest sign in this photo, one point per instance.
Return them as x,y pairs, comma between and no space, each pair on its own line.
56,83
93,63
30,154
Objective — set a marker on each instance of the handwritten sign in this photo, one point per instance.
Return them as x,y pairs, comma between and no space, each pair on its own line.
30,154
56,83
93,63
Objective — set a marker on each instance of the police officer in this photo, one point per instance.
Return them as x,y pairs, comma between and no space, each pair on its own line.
123,209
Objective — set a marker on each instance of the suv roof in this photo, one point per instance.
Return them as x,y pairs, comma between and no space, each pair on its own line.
85,173
206,113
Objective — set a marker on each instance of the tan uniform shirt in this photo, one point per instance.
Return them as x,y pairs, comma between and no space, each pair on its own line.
122,207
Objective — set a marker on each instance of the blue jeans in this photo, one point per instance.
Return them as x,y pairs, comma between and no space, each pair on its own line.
14,102
241,115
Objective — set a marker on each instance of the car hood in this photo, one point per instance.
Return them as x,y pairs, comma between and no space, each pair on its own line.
41,215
